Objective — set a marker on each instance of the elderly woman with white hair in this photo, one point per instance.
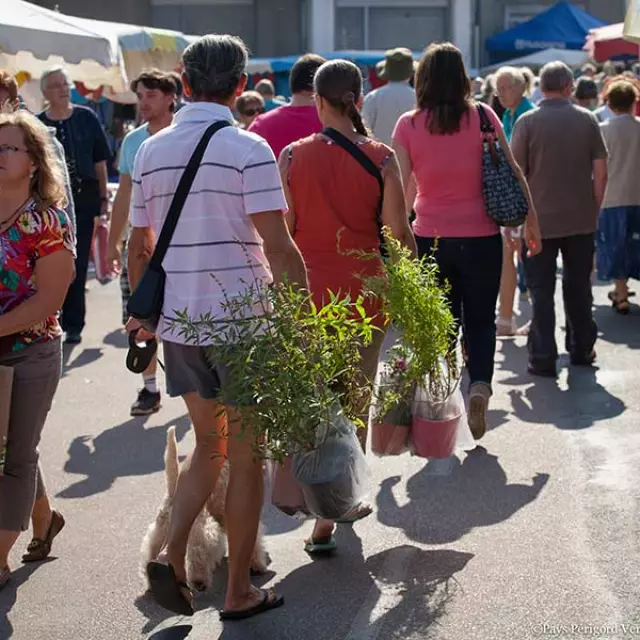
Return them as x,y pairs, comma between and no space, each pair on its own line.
512,87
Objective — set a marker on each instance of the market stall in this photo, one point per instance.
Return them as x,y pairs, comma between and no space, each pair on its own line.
608,43
33,39
562,26
537,60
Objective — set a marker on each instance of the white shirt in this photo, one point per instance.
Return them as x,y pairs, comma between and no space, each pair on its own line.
215,236
383,107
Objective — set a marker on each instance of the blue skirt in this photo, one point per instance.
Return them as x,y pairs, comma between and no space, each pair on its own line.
618,243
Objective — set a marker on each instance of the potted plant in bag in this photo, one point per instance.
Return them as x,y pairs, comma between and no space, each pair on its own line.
392,412
415,303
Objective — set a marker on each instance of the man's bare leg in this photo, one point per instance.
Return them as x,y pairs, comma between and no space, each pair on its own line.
198,476
243,509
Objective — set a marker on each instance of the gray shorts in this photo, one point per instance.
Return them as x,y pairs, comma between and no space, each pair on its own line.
188,370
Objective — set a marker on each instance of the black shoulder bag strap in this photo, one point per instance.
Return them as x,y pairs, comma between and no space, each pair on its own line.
368,165
485,124
181,194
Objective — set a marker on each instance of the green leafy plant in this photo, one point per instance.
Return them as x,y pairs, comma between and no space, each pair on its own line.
415,303
289,361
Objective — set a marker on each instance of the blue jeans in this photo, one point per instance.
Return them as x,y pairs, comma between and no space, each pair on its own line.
472,267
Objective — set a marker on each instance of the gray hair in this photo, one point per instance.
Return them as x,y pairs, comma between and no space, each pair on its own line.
266,88
44,78
214,65
555,77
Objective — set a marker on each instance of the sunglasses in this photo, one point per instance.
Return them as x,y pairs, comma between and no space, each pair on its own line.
253,112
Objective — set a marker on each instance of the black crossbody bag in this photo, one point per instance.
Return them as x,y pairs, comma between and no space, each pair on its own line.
369,166
145,304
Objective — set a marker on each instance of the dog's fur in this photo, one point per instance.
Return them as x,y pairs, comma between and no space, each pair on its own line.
207,541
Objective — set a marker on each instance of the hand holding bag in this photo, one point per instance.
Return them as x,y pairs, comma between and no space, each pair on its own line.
504,198
145,304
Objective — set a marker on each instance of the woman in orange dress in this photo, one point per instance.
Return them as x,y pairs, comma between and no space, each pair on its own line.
335,209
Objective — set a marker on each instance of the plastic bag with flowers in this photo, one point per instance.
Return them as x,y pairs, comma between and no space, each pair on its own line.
392,407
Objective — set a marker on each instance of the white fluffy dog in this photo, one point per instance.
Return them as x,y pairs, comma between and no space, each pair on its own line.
207,541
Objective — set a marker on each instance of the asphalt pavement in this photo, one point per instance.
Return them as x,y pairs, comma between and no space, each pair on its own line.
534,534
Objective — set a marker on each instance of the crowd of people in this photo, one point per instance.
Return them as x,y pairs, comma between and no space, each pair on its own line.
282,185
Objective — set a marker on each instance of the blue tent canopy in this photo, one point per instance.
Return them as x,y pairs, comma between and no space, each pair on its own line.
563,26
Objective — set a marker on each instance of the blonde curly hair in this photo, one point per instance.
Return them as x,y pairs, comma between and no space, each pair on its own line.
47,185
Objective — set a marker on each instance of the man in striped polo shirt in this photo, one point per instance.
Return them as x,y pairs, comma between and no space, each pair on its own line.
234,210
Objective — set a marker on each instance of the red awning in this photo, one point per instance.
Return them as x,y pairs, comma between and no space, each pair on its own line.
608,42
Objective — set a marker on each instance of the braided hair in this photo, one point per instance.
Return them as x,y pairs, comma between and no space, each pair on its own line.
339,82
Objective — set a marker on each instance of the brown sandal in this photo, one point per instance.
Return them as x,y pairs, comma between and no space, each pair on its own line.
38,549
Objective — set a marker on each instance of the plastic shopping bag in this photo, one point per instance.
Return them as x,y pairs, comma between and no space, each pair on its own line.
390,427
286,493
100,244
440,425
334,475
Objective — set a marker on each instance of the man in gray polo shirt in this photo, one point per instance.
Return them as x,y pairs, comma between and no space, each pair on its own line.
562,153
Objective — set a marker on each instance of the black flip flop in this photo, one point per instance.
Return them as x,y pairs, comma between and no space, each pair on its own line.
140,355
269,601
166,589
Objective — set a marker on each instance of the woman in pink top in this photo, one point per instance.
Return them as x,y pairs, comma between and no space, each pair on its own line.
441,145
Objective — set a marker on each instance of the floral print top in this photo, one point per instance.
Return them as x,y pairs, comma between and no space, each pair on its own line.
33,235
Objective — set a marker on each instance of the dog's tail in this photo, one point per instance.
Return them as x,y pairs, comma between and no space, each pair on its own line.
171,462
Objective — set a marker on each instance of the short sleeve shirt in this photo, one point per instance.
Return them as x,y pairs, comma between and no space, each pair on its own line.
215,236
34,235
448,173
84,141
556,145
129,149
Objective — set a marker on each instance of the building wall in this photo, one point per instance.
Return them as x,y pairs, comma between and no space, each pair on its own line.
498,15
131,11
269,27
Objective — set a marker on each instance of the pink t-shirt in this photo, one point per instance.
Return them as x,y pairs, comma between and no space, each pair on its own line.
448,173
285,125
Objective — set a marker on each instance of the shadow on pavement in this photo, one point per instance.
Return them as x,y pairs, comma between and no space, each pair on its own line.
393,595
580,406
85,357
442,509
126,450
618,329
9,594
179,632
116,339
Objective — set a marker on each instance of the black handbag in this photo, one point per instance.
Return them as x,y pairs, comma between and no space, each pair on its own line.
504,197
145,303
368,165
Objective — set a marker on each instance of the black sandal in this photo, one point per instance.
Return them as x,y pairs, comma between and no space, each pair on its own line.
621,305
38,549
167,589
270,600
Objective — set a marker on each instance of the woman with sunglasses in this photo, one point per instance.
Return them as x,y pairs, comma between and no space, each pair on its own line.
37,249
249,106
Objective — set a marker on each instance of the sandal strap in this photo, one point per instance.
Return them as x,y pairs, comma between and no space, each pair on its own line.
35,544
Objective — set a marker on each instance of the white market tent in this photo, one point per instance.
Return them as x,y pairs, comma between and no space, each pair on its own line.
33,39
94,52
540,58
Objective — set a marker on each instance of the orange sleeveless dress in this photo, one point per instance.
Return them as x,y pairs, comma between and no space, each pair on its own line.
335,201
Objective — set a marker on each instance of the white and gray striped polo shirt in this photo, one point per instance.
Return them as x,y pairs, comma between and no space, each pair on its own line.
238,177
